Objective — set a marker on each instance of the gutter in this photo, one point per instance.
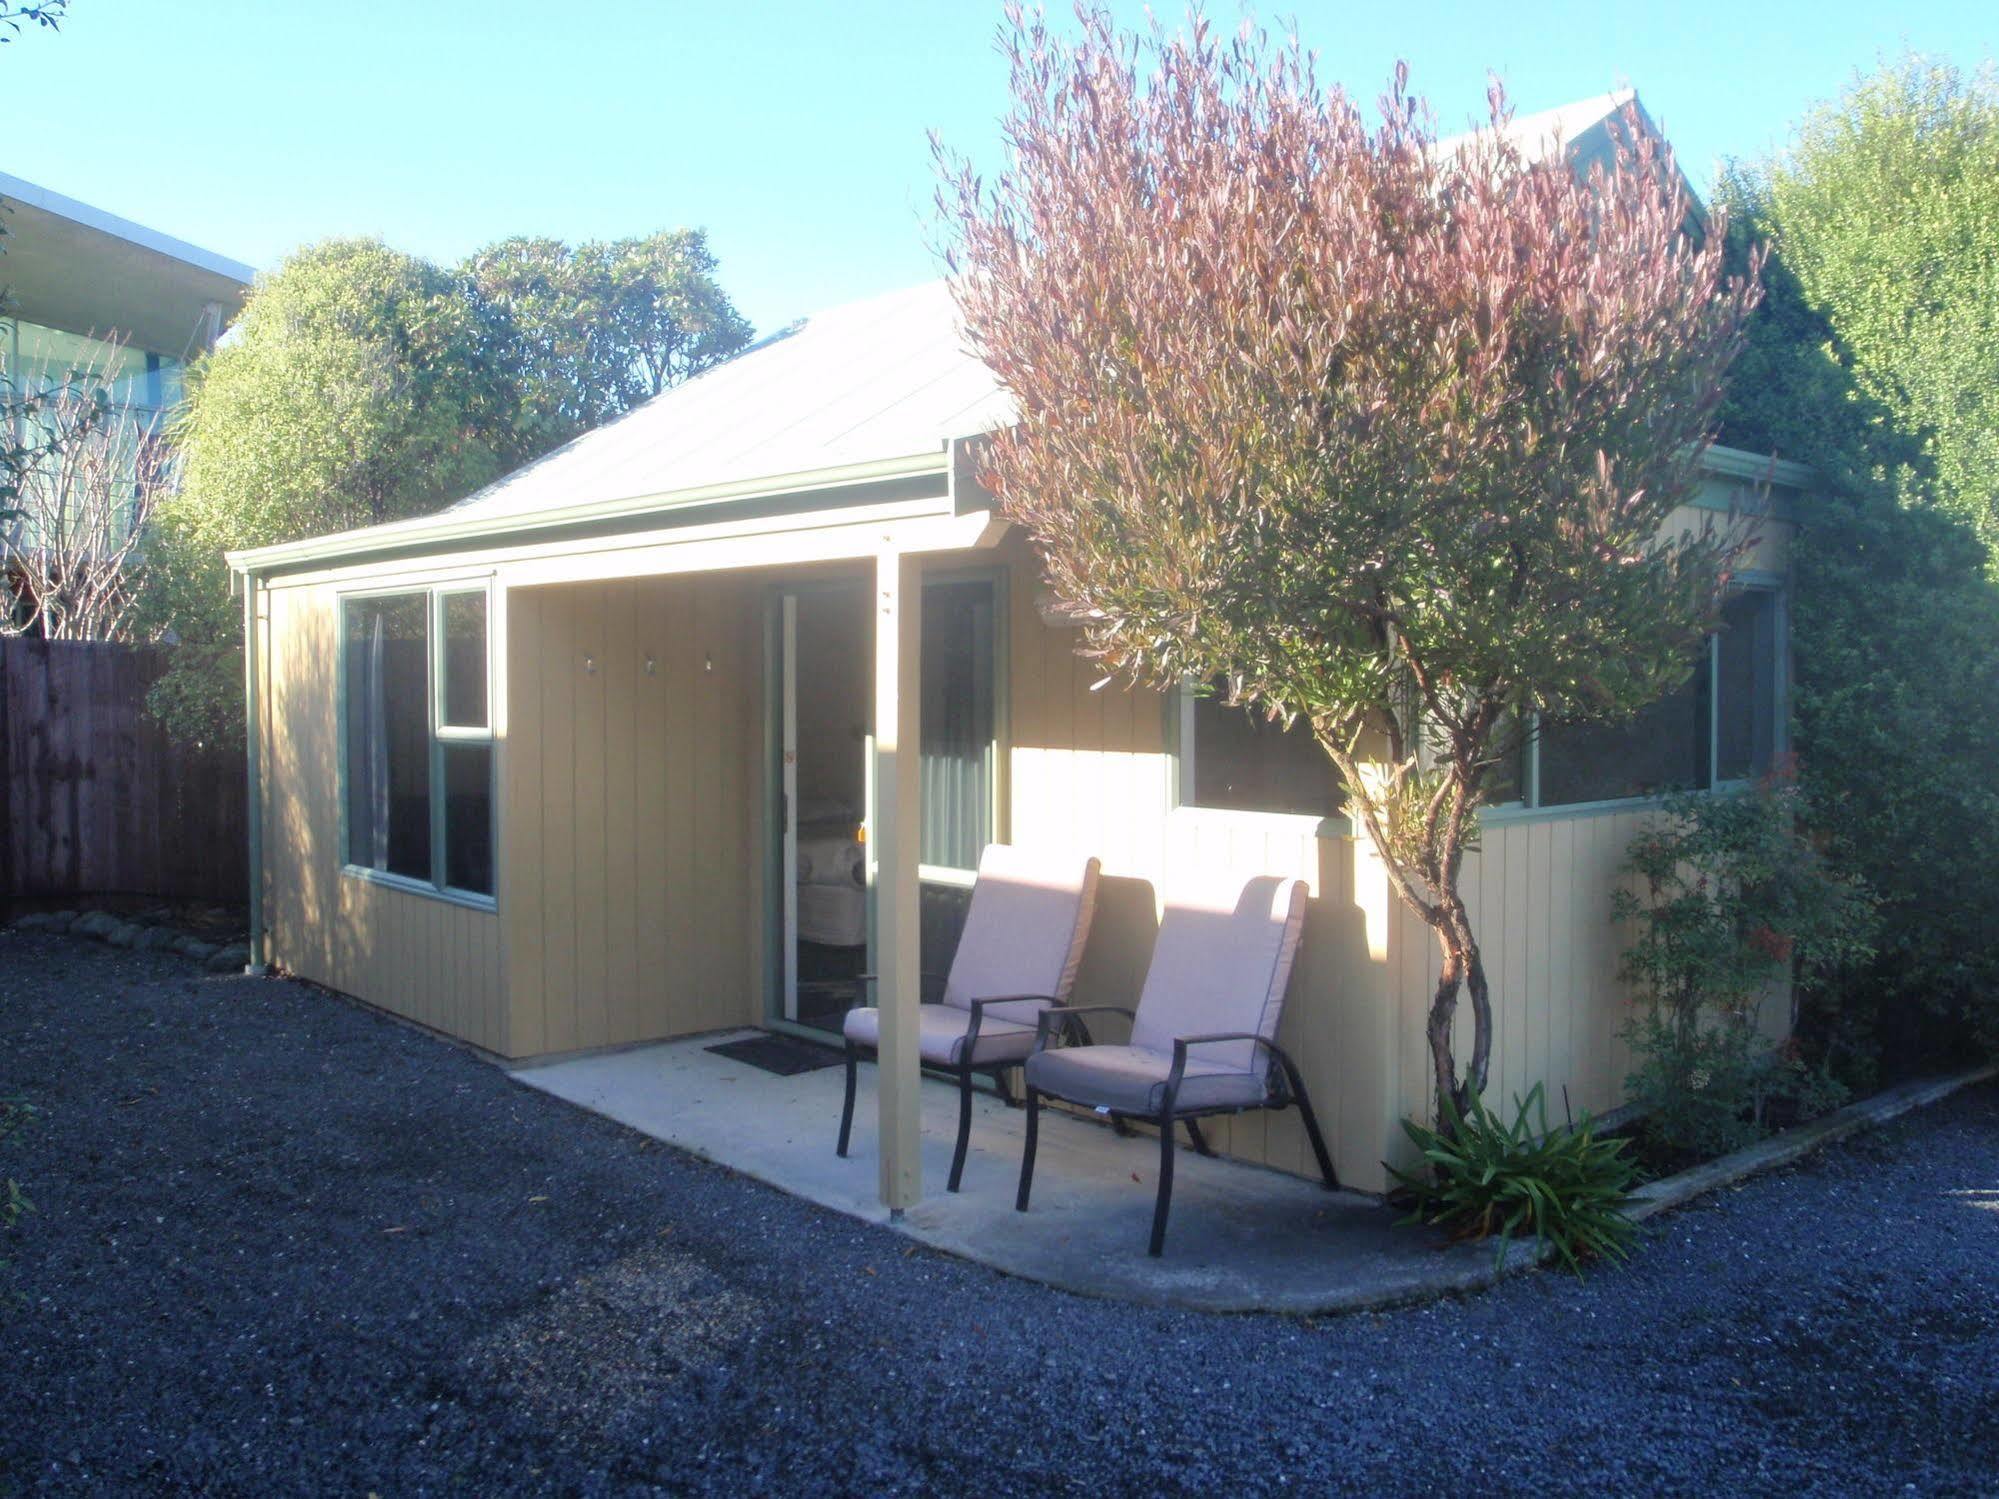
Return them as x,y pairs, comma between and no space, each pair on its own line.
253,735
686,506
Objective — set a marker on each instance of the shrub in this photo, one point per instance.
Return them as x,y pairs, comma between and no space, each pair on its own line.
15,1114
1567,1186
1735,899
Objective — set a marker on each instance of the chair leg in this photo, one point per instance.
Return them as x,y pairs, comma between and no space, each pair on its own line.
1033,1102
1199,1140
964,1128
1165,1202
847,1109
1304,1102
1005,1087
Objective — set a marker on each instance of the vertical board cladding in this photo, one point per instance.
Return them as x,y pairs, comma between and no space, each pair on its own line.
633,888
434,961
1093,772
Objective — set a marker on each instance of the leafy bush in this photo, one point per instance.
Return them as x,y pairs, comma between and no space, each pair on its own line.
15,1114
1566,1185
1880,380
1735,900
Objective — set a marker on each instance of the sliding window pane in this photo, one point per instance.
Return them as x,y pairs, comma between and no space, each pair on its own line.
1663,749
957,724
465,660
1746,686
1245,763
388,734
468,817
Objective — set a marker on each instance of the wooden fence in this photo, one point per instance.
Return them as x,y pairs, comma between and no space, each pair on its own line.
95,799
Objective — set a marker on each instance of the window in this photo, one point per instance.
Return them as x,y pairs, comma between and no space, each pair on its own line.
419,738
957,714
1240,761
1721,727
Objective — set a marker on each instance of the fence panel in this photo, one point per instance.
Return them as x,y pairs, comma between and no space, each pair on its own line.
95,797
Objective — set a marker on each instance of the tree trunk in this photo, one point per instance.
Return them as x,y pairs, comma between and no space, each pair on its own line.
1463,968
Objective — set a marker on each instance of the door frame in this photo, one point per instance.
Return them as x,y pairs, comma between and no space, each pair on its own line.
780,829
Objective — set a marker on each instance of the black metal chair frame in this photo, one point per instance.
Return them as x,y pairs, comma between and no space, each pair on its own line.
1283,1087
964,1072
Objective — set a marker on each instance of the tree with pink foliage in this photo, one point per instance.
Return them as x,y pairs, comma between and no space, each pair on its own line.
1377,435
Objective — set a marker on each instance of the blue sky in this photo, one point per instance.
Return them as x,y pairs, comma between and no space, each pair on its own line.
793,131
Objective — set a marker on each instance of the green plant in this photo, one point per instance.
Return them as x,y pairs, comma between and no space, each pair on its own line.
15,1114
1396,460
1870,360
1734,899
1484,1177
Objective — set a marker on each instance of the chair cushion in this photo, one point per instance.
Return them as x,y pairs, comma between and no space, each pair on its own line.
940,1035
1222,962
1132,1079
1025,929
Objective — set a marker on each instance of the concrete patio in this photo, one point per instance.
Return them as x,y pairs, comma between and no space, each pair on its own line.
1243,1238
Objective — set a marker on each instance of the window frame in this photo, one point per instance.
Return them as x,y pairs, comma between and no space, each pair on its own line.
1183,750
1530,808
434,593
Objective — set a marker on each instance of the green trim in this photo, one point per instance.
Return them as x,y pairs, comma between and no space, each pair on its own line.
440,736
1515,812
253,768
447,893
1738,463
816,489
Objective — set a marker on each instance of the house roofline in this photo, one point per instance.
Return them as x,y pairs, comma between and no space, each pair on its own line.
452,528
448,528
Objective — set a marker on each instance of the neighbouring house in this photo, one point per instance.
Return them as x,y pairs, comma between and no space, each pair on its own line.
699,718
85,290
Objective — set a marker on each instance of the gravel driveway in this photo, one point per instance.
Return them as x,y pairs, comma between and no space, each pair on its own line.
287,1246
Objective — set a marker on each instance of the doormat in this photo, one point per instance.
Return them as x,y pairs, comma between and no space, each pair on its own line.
787,1056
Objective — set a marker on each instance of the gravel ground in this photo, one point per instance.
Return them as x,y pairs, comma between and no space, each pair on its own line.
287,1246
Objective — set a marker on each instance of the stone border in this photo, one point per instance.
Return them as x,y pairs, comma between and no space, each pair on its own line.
1697,1181
1798,1141
140,935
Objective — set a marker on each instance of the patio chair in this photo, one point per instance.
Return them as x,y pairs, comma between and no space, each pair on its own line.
1201,1037
1022,941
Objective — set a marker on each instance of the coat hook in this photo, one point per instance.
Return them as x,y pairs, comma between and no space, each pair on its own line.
652,666
590,665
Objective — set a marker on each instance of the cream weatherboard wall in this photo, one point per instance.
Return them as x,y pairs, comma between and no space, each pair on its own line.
434,961
629,715
633,777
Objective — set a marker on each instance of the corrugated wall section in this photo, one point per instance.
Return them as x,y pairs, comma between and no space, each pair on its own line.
433,961
633,893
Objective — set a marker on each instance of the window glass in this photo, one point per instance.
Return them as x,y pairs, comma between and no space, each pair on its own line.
1746,686
1242,762
1664,748
1506,778
465,660
957,723
468,817
388,734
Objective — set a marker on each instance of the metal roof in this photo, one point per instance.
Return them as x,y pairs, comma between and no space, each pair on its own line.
879,379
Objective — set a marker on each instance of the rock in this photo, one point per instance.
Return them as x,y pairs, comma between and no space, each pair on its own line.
94,924
61,921
34,921
154,938
229,960
194,947
125,934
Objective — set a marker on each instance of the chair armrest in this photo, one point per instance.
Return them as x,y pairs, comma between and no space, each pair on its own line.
978,1006
1069,1012
1181,1043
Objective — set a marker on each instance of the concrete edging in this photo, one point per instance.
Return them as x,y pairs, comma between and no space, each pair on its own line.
1801,1140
